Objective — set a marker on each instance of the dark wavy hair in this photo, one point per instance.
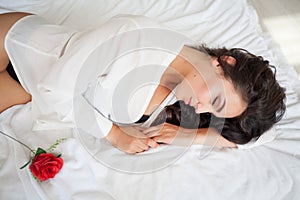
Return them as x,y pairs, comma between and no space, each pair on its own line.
254,80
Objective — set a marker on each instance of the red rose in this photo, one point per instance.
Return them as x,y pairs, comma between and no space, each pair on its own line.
45,166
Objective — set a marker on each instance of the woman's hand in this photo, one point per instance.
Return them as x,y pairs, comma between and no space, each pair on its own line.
171,134
130,139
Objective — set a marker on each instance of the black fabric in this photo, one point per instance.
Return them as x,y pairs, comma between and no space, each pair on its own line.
143,119
12,72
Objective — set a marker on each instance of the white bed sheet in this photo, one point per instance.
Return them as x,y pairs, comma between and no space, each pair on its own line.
269,171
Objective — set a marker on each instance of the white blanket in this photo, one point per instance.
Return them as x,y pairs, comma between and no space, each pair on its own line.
268,171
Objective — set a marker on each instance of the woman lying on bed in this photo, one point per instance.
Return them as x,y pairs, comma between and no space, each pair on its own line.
227,92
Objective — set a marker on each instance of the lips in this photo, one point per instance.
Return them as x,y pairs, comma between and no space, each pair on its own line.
188,101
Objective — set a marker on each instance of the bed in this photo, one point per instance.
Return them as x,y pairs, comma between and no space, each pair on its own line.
266,169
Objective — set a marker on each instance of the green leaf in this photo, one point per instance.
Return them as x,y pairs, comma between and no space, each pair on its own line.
57,142
25,164
39,151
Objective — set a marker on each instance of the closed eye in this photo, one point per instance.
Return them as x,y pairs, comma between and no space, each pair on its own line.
215,103
222,106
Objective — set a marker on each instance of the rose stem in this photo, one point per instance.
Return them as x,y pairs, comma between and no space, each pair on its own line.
17,141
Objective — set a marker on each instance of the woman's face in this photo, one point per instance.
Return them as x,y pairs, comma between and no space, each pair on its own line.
206,89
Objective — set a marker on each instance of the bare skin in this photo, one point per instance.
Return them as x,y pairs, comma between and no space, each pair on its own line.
11,92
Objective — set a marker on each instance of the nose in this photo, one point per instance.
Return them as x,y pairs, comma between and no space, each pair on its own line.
203,107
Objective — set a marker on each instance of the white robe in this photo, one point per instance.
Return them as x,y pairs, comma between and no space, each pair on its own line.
125,57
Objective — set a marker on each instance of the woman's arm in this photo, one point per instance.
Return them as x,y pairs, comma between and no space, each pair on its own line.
11,92
172,134
211,137
6,22
130,139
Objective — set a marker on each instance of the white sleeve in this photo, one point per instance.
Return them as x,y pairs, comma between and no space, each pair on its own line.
266,137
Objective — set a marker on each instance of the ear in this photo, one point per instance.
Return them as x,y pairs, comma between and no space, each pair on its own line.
215,62
229,60
217,66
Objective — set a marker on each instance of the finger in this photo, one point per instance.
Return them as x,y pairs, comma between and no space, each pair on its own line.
161,139
152,129
135,150
157,139
161,132
133,131
139,150
131,152
152,143
154,134
143,144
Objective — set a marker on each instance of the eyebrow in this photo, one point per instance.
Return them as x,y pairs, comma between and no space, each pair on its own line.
221,108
